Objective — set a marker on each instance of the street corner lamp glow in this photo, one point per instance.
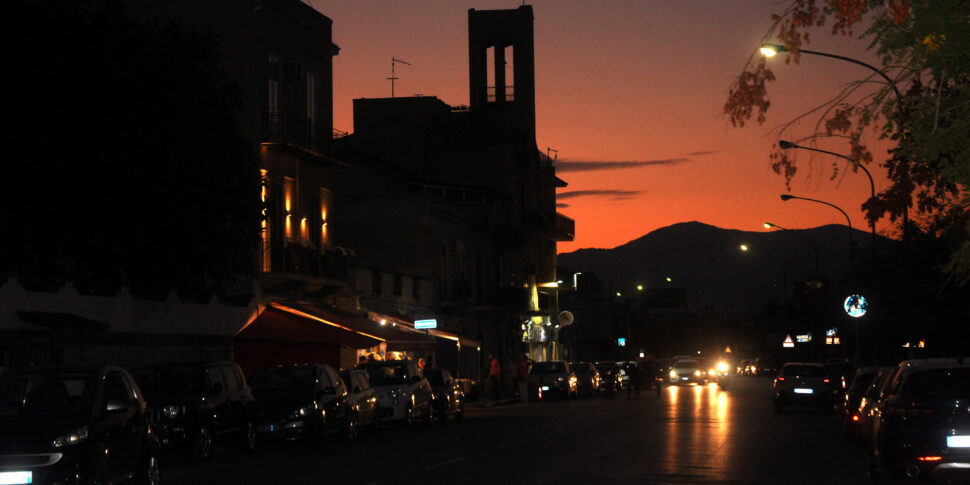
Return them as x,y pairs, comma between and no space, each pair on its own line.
639,287
769,50
744,247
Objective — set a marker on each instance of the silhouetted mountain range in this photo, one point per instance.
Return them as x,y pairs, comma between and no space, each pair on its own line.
708,262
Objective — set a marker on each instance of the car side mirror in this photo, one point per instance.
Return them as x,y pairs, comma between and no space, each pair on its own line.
115,405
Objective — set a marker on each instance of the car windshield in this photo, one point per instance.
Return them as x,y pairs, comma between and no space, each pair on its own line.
938,383
46,396
804,371
579,367
283,380
605,366
686,364
170,381
548,367
387,373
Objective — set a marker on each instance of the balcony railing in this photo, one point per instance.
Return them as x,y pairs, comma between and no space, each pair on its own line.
292,126
296,257
565,228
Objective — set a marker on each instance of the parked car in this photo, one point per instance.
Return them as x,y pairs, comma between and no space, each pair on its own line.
610,378
75,424
403,394
197,405
301,401
448,399
803,383
587,377
553,378
687,371
850,400
872,397
361,398
922,427
626,372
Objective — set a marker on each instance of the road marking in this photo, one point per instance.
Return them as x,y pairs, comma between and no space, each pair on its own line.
449,462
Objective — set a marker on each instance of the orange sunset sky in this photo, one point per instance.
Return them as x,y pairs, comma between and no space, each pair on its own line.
639,82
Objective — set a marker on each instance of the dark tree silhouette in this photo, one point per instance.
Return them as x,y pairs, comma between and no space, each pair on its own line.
126,166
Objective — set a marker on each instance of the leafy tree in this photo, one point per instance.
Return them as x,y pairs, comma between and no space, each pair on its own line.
127,166
923,47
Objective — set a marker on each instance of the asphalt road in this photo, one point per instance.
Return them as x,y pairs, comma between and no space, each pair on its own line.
687,435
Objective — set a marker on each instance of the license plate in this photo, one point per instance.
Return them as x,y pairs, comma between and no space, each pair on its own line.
545,388
800,390
15,478
685,378
959,441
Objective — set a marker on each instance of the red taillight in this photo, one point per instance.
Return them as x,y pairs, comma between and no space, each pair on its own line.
825,381
781,378
855,417
930,458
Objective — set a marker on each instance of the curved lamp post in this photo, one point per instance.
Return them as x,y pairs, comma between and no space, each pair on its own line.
769,50
784,283
847,221
769,225
785,145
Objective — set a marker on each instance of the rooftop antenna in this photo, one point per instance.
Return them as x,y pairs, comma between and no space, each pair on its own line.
395,61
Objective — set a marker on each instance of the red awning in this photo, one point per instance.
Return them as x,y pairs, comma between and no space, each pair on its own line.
279,325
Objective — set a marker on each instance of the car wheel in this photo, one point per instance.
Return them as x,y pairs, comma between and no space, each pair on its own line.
247,441
352,426
149,473
409,418
204,446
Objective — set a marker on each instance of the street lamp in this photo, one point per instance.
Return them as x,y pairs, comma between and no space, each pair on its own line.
786,197
769,225
785,145
784,283
769,50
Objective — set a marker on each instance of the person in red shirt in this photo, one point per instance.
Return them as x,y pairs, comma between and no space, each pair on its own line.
494,372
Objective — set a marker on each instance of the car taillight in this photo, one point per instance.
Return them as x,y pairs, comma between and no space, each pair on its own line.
825,381
930,458
781,379
855,417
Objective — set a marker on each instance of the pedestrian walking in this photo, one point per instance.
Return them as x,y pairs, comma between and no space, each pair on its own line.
494,375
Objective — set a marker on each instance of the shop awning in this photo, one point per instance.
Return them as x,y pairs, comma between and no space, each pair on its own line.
281,323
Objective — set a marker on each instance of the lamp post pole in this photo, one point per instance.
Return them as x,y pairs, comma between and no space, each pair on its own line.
769,225
785,145
786,197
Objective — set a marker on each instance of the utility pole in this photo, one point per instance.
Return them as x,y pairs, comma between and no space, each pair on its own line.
395,61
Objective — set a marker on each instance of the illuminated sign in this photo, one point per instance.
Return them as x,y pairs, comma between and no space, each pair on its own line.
621,342
835,340
856,306
828,340
804,338
430,323
831,332
788,343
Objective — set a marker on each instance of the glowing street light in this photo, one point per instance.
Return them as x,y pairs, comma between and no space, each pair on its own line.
769,225
639,287
769,50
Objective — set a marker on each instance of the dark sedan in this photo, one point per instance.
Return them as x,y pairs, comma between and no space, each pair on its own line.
301,401
75,425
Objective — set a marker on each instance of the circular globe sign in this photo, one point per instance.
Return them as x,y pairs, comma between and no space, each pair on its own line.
856,306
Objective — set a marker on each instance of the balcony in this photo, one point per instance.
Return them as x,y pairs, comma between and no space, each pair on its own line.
556,226
298,258
564,228
293,127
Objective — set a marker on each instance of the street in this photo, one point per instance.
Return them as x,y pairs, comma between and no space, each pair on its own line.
687,435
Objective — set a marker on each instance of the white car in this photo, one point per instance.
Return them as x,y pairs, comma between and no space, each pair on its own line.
403,394
687,371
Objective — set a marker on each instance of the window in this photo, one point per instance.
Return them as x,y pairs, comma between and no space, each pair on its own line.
325,379
266,256
490,73
289,196
115,389
229,377
398,284
326,198
213,376
509,73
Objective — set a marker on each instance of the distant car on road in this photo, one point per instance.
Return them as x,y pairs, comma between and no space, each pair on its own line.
553,378
922,427
687,371
803,383
587,377
77,425
610,378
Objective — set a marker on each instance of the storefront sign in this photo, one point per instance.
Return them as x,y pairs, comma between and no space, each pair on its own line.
422,324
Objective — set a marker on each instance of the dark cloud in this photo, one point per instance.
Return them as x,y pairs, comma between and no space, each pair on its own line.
590,165
603,194
697,154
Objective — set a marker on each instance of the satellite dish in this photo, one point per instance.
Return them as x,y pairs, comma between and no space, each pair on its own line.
565,318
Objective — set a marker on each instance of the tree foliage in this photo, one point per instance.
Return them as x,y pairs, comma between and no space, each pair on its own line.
923,46
127,168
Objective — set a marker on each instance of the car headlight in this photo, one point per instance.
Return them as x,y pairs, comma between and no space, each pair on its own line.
560,378
303,412
698,373
722,366
172,411
673,373
71,438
